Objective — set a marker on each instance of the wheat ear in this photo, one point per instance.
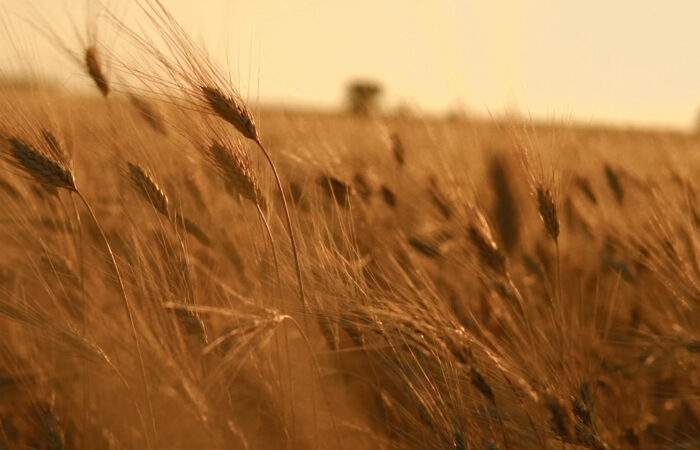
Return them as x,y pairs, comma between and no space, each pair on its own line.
148,188
94,69
235,113
52,172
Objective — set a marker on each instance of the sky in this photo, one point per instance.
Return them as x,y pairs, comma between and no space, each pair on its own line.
627,62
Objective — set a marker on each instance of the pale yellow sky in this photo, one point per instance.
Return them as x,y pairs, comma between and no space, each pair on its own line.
623,61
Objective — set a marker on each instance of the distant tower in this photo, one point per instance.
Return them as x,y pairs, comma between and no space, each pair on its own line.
363,97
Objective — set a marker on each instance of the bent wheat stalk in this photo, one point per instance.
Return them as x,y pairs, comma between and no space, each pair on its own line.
229,109
192,73
51,168
290,228
233,165
127,307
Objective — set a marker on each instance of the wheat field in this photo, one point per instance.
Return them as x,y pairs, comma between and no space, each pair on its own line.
180,269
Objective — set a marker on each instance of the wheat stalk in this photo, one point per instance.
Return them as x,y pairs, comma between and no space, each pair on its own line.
336,189
489,253
389,196
42,167
50,169
398,149
149,113
190,70
548,212
505,209
613,180
231,110
233,165
94,69
148,188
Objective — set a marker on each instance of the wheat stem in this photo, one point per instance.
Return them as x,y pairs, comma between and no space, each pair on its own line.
268,231
290,229
316,368
129,312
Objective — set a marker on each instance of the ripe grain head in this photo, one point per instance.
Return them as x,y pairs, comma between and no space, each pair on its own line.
94,69
232,110
231,162
548,212
146,186
43,165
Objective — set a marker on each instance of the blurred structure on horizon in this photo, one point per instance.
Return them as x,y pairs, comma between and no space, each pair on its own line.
363,97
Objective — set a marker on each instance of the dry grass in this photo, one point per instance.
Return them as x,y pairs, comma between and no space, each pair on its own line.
456,288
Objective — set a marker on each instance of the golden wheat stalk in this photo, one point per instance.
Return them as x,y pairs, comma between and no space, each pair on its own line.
337,190
94,69
41,166
232,110
51,169
548,212
489,253
202,87
149,113
398,149
234,167
505,209
144,183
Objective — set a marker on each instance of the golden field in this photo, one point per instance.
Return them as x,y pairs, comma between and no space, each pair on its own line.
453,283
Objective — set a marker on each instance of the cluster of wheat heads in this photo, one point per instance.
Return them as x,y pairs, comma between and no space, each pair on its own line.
397,283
